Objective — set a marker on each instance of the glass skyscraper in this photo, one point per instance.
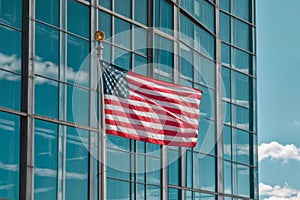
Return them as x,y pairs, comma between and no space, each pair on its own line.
49,135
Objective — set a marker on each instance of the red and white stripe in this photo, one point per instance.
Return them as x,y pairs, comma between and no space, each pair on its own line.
156,111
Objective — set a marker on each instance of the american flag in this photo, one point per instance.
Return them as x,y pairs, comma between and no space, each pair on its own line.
150,110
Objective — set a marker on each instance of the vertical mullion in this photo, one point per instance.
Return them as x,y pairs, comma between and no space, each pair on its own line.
26,184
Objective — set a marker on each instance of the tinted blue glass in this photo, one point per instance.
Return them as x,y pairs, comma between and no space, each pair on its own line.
140,40
188,5
189,169
107,52
114,169
45,88
241,8
241,34
241,60
226,113
207,43
78,18
140,165
185,82
243,178
173,167
206,136
240,117
224,27
105,3
77,105
242,146
227,142
227,177
76,164
10,155
122,33
208,173
206,14
122,58
46,51
45,160
186,62
153,149
10,49
226,78
11,12
186,30
47,11
153,192
173,194
105,24
225,5
153,170
118,190
225,54
205,71
240,89
118,142
77,65
163,57
140,65
164,16
196,170
123,7
140,11
10,85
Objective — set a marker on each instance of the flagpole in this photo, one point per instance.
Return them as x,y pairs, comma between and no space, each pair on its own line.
99,36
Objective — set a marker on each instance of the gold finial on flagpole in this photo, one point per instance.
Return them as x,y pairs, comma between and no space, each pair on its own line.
99,36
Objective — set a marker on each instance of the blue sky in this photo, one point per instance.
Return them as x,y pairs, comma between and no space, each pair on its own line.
278,60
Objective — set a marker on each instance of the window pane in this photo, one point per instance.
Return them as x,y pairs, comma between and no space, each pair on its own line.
227,137
225,5
76,164
241,34
241,60
226,83
10,85
207,43
140,40
10,49
114,169
186,30
225,54
226,113
122,33
224,27
153,170
205,71
47,11
227,177
105,3
78,18
105,24
140,65
118,190
11,12
77,61
123,7
173,194
46,51
43,104
164,16
206,137
140,11
153,192
118,142
122,58
208,173
240,89
243,178
78,99
206,14
140,171
10,144
241,8
240,117
189,169
173,167
186,62
242,146
45,159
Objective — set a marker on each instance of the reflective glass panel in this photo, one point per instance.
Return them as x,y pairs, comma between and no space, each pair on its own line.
105,3
77,61
173,194
77,105
224,27
114,169
225,54
225,5
47,11
240,117
240,89
173,167
241,34
46,51
227,177
78,18
205,71
10,155
226,113
122,58
205,13
45,159
140,171
164,16
227,142
140,11
243,178
10,87
123,7
46,97
242,146
241,60
122,33
153,170
140,40
186,30
140,65
77,157
105,25
10,49
186,62
241,8
118,190
208,173
226,83
153,192
11,12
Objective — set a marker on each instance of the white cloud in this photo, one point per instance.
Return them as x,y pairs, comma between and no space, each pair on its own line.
277,151
278,193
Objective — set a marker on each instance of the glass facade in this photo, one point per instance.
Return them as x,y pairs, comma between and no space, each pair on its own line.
49,130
